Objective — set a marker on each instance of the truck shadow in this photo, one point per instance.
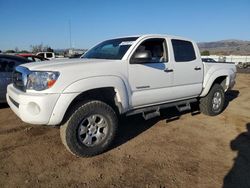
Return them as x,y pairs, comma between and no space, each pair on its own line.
239,175
4,105
132,126
229,96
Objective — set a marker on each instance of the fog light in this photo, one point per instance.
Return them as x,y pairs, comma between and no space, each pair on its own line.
33,108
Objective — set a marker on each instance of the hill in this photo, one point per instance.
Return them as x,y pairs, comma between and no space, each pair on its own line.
226,47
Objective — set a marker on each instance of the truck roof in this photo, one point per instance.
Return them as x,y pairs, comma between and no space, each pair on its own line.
156,35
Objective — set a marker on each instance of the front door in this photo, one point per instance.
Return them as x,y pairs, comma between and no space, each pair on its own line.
151,80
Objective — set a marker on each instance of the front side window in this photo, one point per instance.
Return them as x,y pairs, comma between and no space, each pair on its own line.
110,49
41,55
37,59
156,48
183,50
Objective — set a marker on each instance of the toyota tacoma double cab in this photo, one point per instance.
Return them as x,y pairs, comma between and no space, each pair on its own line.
121,76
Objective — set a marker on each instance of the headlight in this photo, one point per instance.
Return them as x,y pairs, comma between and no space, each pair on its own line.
41,80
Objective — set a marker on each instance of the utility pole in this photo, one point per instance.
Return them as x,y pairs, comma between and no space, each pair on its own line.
70,42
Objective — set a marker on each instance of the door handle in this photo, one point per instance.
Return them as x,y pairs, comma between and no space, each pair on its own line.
197,68
168,70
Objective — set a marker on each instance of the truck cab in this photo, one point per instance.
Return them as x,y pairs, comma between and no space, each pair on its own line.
173,66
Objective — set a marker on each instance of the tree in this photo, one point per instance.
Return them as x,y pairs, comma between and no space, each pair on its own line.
205,52
16,49
36,48
47,48
24,52
41,48
10,51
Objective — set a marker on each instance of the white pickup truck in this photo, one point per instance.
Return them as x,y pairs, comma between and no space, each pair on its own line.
47,55
128,75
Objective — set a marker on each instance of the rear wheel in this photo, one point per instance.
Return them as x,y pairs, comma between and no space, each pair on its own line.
213,103
90,130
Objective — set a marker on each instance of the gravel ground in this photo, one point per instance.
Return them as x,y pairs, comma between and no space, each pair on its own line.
246,70
174,150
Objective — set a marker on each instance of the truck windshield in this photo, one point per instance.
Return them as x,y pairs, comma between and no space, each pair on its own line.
110,49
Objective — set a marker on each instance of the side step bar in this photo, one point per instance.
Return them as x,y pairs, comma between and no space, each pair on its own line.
154,111
151,114
183,107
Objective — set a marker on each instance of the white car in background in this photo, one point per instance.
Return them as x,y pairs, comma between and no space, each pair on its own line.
47,55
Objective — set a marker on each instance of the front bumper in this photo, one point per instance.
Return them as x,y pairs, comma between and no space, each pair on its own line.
31,108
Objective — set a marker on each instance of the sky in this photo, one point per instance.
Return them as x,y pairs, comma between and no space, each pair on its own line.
32,22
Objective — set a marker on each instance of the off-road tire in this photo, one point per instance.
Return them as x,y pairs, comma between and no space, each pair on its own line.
69,131
206,103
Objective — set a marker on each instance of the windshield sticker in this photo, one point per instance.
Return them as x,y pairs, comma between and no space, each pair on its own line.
126,43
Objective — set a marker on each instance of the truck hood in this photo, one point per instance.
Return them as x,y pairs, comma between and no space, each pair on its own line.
60,64
73,70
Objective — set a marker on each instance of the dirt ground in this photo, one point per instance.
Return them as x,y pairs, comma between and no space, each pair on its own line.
175,150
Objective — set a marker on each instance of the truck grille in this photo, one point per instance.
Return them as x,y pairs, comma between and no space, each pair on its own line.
19,78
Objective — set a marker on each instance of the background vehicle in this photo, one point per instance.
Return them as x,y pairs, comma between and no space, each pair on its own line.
47,55
207,60
7,65
242,61
129,75
32,57
75,56
243,65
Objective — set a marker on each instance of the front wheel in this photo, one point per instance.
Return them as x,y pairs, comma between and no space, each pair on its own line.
213,103
90,130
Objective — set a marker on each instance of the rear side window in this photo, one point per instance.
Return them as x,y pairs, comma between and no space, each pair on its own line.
7,65
183,50
3,65
49,55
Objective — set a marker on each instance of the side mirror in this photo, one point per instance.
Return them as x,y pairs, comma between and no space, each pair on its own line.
141,57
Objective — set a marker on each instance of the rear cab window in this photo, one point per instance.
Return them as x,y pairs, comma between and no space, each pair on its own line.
183,50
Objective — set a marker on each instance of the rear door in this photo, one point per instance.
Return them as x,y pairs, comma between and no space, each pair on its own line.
188,69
